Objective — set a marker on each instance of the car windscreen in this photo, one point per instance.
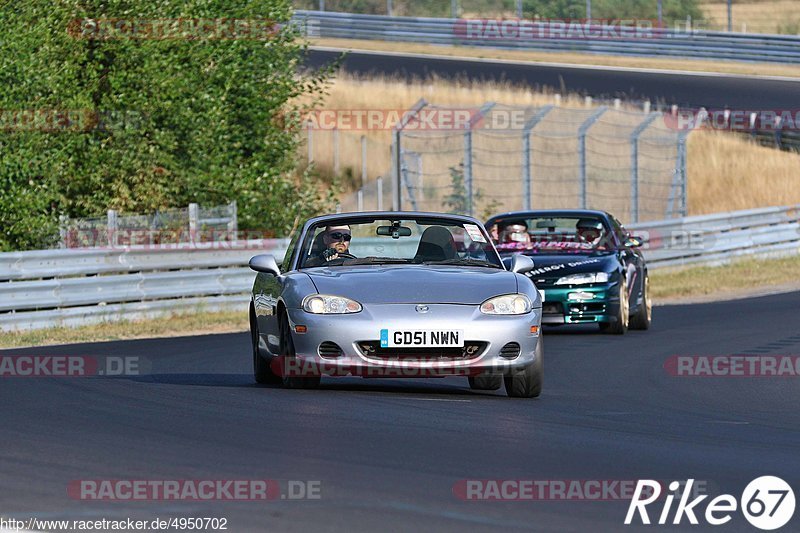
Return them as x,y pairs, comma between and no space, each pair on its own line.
577,234
397,241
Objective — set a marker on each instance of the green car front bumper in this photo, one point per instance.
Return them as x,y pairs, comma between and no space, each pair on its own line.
580,304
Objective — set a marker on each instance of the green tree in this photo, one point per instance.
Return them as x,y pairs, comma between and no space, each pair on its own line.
183,119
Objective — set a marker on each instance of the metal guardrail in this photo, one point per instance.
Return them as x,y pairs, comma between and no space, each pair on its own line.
71,287
66,287
659,42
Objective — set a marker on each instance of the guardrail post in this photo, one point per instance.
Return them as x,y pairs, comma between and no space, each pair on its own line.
635,164
62,231
360,199
194,212
519,9
379,183
112,228
233,225
397,154
322,5
526,153
454,9
582,131
389,7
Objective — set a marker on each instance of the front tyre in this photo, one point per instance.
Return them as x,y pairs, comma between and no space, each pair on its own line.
527,383
620,325
288,356
644,314
261,370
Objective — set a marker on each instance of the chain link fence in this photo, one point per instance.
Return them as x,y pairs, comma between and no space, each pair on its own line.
631,163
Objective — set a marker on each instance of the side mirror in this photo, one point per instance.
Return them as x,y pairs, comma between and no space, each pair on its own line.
265,263
633,241
521,264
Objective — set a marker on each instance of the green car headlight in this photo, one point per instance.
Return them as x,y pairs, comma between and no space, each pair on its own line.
581,279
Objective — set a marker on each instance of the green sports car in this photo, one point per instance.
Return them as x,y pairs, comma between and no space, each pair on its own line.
588,267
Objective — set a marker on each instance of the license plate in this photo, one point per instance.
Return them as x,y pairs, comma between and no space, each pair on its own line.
422,338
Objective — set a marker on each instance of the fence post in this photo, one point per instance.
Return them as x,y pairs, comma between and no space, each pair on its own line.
322,5
660,15
397,154
310,143
468,177
194,215
730,16
684,177
519,9
363,160
589,11
360,197
112,227
379,182
389,7
454,9
336,152
468,169
526,153
582,151
637,132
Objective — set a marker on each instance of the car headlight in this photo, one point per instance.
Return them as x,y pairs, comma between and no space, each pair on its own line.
325,304
508,304
580,279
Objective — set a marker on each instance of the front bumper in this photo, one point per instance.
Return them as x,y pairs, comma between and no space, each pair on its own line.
580,304
350,331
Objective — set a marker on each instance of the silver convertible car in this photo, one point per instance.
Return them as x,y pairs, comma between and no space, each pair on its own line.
396,294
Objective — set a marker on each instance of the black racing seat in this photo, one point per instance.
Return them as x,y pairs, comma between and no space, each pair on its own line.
436,244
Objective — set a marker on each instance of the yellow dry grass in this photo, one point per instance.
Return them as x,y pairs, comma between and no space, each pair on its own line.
725,172
755,16
573,58
728,172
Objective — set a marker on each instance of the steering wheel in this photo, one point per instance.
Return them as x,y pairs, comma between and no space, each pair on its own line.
346,255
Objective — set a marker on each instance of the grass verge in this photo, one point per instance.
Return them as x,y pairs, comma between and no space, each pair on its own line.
701,283
747,276
203,323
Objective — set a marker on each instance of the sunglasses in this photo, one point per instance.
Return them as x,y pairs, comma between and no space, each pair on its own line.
338,236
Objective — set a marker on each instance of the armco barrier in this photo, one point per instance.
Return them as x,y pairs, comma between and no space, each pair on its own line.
662,43
47,288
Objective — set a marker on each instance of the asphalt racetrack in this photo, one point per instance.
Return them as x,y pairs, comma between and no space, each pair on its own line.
388,453
713,91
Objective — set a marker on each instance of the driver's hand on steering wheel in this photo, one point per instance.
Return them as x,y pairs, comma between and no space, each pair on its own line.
330,254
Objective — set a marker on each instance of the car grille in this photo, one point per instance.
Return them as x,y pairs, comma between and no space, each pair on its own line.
543,283
471,350
329,349
510,350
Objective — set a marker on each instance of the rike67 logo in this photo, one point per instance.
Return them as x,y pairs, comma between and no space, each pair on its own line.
767,503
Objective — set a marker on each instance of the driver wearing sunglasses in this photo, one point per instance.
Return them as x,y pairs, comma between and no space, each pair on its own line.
337,243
